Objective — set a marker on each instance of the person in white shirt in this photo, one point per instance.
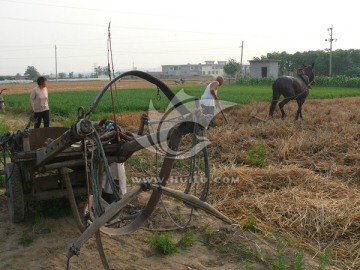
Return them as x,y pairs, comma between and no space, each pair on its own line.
209,100
39,102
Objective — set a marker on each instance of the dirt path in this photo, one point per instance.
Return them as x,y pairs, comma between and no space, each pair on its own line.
52,237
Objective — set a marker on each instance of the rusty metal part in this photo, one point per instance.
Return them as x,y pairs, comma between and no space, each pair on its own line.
78,131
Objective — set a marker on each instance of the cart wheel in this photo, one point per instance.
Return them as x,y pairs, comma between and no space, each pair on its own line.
15,193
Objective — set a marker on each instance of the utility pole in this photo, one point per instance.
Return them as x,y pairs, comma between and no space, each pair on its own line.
241,59
56,63
331,39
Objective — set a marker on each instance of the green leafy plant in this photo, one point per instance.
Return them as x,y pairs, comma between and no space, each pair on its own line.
206,232
3,128
280,263
178,216
250,223
248,266
324,258
188,239
26,239
163,243
257,154
299,260
2,181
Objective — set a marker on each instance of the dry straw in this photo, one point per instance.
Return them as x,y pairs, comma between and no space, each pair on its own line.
309,189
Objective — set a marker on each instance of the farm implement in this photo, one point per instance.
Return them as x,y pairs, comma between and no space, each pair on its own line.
58,162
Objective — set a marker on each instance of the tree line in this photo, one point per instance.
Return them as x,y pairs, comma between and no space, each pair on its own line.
32,73
344,62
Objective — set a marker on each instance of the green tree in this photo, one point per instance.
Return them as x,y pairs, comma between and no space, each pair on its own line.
344,62
71,75
105,71
231,67
32,72
98,71
62,75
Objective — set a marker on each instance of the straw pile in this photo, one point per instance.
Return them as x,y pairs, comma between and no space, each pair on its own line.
312,211
309,187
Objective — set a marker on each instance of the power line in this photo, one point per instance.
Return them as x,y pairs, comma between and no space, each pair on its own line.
120,27
125,53
117,11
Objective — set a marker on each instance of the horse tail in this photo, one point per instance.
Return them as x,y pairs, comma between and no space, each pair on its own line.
275,98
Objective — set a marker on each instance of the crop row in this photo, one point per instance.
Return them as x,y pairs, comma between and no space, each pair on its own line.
321,81
65,104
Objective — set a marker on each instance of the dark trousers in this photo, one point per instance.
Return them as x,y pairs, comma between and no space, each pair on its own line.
45,116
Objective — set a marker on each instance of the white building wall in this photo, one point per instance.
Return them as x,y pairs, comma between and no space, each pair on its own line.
208,70
256,68
188,70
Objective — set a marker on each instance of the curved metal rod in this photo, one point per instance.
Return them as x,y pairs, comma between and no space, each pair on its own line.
186,198
164,175
147,77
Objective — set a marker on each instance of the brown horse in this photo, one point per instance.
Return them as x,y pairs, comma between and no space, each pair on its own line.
292,88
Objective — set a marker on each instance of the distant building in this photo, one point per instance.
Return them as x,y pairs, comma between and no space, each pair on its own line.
210,68
264,68
19,77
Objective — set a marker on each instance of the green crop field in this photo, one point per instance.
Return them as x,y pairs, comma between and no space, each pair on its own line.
65,104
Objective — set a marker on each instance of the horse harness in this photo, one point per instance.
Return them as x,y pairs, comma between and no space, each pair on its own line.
306,88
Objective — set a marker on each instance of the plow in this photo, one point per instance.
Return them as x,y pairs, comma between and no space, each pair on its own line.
59,162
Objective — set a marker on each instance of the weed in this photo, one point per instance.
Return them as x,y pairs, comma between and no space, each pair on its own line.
324,258
26,239
3,128
163,243
181,163
141,163
178,216
188,239
248,266
257,154
206,232
280,263
2,181
261,254
250,223
299,260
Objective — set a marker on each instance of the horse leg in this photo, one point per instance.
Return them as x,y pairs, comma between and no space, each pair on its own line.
281,106
274,101
300,103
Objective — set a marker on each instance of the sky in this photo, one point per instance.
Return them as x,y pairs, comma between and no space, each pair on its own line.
148,34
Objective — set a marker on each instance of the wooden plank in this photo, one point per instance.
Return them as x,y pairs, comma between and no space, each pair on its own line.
52,194
52,182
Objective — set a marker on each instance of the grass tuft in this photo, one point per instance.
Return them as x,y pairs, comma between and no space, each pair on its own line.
187,240
163,244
